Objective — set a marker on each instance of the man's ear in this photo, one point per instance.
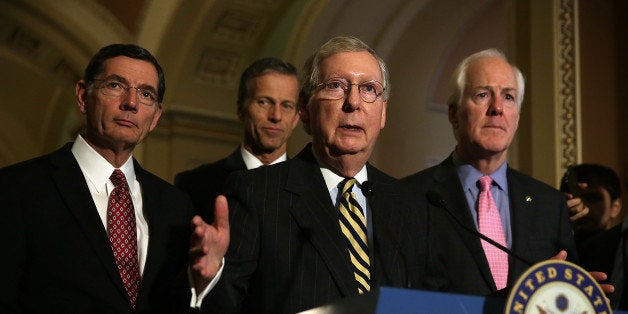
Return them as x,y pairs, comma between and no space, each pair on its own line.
451,112
615,208
304,98
240,112
81,96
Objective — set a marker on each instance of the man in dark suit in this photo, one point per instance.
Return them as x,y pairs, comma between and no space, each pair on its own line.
267,101
531,217
85,229
289,246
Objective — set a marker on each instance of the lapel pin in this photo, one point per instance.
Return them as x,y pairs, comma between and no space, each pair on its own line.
528,198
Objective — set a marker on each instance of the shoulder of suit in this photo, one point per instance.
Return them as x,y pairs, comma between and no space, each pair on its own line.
375,174
423,175
40,165
529,182
203,170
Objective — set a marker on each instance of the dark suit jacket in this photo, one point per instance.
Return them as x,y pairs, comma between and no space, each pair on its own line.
539,223
606,251
207,181
287,253
57,258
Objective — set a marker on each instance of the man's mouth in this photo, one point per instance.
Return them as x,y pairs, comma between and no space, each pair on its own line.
350,127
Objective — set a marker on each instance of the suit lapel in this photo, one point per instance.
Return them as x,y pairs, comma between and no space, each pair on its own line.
386,221
156,243
315,214
234,161
449,187
73,189
521,210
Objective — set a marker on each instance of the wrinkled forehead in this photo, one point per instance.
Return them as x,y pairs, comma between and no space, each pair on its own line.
135,71
350,64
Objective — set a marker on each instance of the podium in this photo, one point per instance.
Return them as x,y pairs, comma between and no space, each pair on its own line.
400,301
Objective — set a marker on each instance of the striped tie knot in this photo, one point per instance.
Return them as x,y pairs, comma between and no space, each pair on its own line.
347,185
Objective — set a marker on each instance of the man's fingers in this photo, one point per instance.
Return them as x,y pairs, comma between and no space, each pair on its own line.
607,288
562,256
598,275
579,214
221,213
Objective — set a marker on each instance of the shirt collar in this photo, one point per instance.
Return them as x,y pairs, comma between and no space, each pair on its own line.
252,162
469,176
332,179
96,168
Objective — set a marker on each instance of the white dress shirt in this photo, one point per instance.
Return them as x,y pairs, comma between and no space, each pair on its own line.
332,180
252,162
97,170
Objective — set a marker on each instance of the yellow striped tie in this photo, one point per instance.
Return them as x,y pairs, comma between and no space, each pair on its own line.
353,226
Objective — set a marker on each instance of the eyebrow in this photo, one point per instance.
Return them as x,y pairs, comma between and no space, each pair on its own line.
121,79
338,78
490,87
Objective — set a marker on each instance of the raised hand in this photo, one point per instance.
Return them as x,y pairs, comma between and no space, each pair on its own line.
209,244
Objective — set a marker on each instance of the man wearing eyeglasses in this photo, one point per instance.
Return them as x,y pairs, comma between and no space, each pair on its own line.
324,225
267,107
86,230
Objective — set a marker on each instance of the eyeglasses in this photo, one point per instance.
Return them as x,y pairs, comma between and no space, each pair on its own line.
115,88
338,88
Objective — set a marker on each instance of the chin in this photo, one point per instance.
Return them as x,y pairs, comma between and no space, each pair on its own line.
270,146
493,146
345,150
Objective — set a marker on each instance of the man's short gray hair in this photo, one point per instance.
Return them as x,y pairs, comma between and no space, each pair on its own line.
458,79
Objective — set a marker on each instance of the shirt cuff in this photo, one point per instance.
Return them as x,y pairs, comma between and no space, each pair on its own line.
197,298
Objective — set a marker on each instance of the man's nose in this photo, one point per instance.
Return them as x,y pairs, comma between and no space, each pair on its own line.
275,114
496,107
353,98
129,100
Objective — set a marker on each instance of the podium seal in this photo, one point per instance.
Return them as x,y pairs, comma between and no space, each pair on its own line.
554,286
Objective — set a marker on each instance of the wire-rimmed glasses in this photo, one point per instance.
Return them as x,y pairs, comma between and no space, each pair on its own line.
337,88
115,88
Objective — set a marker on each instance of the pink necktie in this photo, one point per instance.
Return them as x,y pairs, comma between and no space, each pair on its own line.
491,226
123,234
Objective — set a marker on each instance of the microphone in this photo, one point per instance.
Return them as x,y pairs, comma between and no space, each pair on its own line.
368,189
435,199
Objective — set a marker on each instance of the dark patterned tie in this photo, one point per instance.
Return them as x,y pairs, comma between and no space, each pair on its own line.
353,226
123,234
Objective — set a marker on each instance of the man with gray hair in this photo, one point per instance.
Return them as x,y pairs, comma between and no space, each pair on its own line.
474,190
326,224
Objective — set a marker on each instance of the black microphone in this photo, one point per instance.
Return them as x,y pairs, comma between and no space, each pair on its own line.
368,189
435,199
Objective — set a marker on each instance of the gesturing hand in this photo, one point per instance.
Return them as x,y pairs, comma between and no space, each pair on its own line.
208,245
